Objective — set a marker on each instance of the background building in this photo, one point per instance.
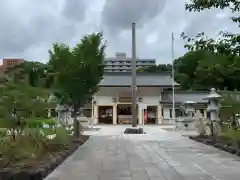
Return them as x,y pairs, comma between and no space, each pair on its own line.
122,63
9,62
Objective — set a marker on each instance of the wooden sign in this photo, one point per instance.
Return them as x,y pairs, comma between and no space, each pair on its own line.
125,99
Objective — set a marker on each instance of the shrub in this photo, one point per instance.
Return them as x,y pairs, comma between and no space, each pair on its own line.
232,136
21,152
60,142
201,127
62,136
38,123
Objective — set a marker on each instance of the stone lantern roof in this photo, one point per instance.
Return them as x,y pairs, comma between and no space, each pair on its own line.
189,102
52,98
61,108
213,95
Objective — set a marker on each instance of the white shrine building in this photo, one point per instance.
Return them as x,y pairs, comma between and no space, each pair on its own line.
112,103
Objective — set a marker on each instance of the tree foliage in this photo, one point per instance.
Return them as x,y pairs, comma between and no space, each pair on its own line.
26,100
20,103
78,70
230,107
228,43
156,68
202,70
21,100
230,100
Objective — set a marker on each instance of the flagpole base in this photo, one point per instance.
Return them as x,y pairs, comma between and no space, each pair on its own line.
134,130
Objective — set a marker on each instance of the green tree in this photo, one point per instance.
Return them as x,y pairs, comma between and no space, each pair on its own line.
230,106
18,103
33,73
185,68
78,70
202,70
156,68
229,43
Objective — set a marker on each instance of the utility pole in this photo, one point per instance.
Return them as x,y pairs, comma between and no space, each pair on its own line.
134,87
173,85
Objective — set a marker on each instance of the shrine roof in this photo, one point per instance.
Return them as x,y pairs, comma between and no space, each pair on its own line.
115,79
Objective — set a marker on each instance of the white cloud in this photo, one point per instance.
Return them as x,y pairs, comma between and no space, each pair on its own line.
28,28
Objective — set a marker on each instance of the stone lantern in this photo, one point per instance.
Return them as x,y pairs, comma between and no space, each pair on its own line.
187,121
213,104
189,108
62,113
213,108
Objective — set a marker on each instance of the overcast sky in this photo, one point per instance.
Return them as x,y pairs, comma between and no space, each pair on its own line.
29,27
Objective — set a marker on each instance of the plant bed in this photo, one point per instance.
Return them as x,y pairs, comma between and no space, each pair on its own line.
201,139
217,143
232,149
45,165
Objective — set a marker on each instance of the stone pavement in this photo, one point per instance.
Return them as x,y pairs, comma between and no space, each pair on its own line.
158,155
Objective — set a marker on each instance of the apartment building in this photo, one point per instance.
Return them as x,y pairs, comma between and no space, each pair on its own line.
9,62
122,63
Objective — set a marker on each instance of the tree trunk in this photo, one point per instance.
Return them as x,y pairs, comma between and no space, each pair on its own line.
234,125
76,126
13,131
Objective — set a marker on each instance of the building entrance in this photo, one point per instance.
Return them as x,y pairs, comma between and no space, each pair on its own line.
151,115
105,115
124,113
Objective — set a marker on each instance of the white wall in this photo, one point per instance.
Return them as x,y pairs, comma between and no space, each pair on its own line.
107,100
103,100
149,95
166,113
142,91
151,100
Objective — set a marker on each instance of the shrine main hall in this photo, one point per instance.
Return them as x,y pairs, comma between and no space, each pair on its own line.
112,104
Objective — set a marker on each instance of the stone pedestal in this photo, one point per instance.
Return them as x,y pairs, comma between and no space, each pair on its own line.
84,121
185,123
133,130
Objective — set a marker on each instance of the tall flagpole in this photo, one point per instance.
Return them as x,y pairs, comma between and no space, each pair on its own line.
134,87
173,87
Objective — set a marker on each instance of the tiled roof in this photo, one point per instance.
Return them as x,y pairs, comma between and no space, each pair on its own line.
143,79
182,97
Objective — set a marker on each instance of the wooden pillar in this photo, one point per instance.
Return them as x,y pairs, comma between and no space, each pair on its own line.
159,115
115,114
140,115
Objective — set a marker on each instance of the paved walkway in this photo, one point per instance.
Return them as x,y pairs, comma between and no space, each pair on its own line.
158,155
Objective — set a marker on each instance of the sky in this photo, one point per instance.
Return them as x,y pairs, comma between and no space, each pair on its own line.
29,27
